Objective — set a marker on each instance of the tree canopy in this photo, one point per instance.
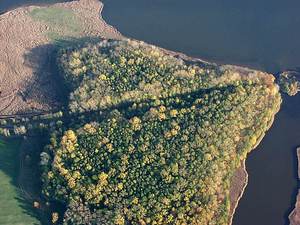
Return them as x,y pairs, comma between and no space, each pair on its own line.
165,153
289,83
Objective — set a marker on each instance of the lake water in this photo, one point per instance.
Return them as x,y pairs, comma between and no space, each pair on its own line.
6,5
259,34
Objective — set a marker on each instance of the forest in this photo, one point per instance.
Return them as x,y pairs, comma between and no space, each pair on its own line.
173,134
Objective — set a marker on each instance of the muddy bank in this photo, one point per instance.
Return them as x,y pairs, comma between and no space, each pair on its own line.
294,217
239,180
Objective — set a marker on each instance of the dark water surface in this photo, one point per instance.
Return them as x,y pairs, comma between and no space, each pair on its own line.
262,34
6,5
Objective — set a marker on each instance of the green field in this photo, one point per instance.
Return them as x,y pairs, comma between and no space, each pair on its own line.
57,17
12,205
61,22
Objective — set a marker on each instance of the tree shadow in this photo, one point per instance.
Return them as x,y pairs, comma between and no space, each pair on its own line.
13,154
46,87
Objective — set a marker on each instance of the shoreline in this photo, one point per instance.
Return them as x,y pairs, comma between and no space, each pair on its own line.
239,181
294,216
243,180
33,4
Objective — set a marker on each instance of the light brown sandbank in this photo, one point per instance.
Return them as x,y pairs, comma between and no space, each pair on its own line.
294,217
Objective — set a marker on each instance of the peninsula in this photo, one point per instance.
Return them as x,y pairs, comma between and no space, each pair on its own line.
144,135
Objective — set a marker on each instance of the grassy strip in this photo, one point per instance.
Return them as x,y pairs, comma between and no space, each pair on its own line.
59,20
12,205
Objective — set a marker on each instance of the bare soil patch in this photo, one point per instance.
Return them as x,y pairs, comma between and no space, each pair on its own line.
26,79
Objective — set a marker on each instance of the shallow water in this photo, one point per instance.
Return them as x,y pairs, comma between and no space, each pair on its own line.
259,34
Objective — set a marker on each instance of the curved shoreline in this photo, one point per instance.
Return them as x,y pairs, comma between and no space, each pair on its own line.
244,179
241,182
294,216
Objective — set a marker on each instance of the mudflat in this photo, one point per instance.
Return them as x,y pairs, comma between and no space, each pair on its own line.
294,217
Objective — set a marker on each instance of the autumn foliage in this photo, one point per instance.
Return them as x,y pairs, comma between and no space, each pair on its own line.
167,151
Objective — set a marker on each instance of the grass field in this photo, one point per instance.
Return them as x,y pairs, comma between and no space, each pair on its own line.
13,209
61,22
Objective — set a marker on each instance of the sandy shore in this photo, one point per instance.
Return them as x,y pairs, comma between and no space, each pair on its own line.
239,180
26,79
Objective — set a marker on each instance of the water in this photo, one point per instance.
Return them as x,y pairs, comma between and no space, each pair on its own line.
259,34
272,169
263,34
6,5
